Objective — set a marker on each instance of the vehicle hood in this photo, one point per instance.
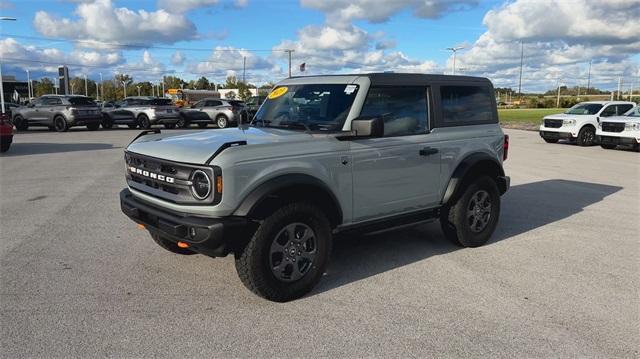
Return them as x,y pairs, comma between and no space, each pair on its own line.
561,116
199,147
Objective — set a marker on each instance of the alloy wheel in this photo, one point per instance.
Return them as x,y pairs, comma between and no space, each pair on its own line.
292,252
479,211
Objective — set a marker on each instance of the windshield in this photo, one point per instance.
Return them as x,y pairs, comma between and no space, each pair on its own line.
78,101
320,107
584,109
634,112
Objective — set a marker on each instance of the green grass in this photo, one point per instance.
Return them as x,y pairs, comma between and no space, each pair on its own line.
527,118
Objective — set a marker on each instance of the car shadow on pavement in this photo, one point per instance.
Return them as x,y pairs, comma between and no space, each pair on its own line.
36,148
524,208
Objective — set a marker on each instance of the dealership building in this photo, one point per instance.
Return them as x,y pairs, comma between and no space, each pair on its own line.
11,87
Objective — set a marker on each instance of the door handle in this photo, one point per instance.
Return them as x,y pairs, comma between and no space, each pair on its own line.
428,151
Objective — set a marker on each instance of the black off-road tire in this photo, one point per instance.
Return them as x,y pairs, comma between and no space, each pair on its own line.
608,147
93,126
171,246
21,123
60,124
586,136
550,140
144,122
253,263
454,219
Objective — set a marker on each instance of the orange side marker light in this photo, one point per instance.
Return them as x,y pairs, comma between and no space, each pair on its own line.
141,226
183,245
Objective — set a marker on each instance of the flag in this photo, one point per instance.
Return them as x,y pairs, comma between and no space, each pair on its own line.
303,66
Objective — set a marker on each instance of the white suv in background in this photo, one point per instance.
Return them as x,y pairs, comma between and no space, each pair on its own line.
579,123
620,130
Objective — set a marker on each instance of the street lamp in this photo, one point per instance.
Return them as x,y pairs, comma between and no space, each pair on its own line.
138,90
1,85
86,88
455,50
124,87
101,87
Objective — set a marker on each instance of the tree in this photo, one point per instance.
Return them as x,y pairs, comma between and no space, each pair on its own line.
231,82
202,83
173,82
231,95
43,87
243,91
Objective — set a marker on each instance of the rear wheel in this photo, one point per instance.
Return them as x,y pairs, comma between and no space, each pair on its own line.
288,253
182,123
170,246
586,136
471,219
60,124
144,122
106,122
21,123
608,147
551,140
93,126
222,121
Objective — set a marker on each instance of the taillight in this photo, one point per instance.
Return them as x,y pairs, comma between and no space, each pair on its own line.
505,148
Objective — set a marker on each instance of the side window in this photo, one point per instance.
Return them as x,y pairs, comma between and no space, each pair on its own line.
214,103
199,104
466,105
52,101
608,111
623,108
403,109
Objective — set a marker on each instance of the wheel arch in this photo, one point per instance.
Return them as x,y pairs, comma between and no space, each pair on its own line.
268,196
473,165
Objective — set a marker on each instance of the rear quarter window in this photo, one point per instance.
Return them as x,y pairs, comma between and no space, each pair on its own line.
81,101
466,105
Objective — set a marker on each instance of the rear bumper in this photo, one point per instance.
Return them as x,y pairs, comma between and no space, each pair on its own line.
613,140
84,120
215,237
552,135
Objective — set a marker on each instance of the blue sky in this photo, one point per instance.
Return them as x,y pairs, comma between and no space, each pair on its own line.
330,36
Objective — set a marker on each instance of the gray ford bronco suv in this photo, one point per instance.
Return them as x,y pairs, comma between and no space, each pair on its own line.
323,156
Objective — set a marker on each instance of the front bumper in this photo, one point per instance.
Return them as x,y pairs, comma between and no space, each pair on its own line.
554,135
214,237
615,140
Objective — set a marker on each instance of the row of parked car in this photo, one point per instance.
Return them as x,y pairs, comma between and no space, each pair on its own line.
605,123
61,112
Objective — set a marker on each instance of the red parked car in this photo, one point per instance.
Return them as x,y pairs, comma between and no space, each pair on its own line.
6,132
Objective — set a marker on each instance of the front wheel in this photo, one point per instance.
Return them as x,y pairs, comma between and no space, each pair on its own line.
288,254
21,123
60,124
144,122
182,123
471,219
106,122
222,121
608,147
551,140
586,136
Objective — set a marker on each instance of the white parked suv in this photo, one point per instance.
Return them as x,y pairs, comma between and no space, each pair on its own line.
620,130
578,124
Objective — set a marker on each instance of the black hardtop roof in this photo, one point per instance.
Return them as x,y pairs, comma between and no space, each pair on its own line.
394,78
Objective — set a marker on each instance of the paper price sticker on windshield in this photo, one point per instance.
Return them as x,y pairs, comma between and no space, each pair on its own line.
350,89
278,92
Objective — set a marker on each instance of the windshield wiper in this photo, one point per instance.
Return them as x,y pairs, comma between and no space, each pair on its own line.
296,124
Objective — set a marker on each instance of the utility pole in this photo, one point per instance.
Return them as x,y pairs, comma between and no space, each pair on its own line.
619,87
97,90
589,77
558,101
521,63
244,69
86,88
455,51
29,86
124,89
101,87
289,51
138,90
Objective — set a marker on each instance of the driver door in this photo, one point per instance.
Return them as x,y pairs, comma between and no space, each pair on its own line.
400,172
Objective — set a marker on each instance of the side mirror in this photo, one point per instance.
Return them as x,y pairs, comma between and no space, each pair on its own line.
367,127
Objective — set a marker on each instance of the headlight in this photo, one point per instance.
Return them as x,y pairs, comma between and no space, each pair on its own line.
568,122
201,185
632,126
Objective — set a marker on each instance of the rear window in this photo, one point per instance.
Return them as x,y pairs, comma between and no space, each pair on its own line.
161,102
236,103
466,105
81,101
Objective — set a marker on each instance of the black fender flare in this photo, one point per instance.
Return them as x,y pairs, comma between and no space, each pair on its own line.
464,167
261,193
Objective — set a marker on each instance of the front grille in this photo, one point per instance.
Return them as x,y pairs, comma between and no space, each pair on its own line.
166,179
612,127
551,123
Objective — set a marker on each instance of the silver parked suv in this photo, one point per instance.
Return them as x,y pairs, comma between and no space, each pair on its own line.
142,111
324,156
58,112
212,110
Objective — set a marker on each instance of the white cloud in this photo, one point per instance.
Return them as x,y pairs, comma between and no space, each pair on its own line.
182,6
178,58
345,11
148,69
560,38
99,21
224,59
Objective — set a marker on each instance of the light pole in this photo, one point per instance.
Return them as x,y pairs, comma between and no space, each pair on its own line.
521,63
124,88
558,100
86,89
138,90
289,52
455,50
101,87
589,77
1,85
29,88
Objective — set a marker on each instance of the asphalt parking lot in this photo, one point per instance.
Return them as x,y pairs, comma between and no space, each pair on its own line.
560,278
